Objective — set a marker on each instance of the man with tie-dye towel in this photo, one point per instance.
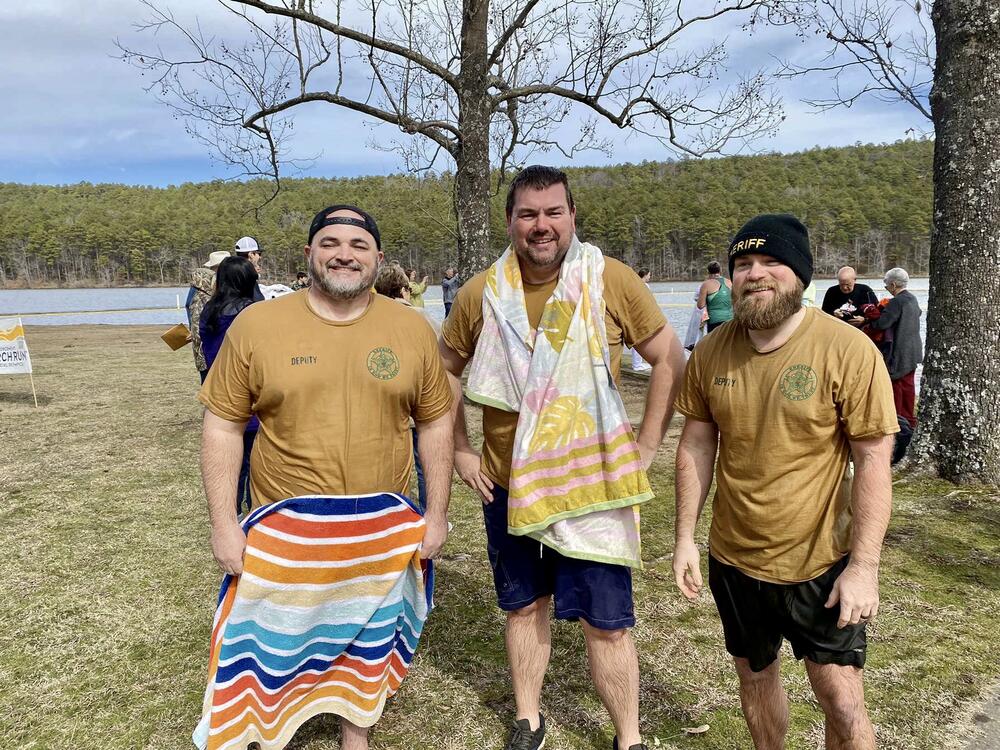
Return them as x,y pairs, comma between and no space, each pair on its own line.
325,596
561,474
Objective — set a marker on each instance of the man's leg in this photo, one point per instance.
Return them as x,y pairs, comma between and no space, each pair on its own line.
765,704
529,644
614,667
841,693
353,737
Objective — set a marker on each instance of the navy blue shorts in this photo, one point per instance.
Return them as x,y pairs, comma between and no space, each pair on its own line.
524,570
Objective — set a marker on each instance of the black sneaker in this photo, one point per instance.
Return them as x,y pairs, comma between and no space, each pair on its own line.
523,738
640,746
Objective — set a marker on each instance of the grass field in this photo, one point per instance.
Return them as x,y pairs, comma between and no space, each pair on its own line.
108,587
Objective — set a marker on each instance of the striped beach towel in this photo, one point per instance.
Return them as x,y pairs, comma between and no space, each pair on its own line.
576,476
324,619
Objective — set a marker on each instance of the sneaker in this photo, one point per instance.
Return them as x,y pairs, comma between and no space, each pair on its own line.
523,738
640,746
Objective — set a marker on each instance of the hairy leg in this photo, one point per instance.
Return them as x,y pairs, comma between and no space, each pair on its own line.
353,737
529,643
841,693
614,667
765,704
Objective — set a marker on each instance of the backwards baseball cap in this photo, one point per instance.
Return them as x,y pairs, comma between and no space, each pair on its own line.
781,236
246,245
323,219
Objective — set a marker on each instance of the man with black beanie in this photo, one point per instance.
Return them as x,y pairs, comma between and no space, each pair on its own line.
787,395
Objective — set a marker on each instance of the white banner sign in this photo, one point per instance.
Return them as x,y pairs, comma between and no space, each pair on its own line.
14,357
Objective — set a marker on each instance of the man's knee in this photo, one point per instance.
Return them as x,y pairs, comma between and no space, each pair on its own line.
748,677
600,635
840,692
537,608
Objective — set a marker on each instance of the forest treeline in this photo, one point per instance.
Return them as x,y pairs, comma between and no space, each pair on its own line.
866,205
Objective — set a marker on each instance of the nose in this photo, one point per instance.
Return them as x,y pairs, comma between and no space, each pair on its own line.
755,271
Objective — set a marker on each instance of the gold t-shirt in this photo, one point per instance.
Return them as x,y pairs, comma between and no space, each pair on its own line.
334,399
785,418
631,316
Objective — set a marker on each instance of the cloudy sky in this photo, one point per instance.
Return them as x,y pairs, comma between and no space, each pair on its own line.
75,112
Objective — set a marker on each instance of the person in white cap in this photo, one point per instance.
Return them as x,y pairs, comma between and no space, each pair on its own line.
202,286
247,247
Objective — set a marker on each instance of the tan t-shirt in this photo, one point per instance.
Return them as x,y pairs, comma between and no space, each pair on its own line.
334,399
631,316
785,418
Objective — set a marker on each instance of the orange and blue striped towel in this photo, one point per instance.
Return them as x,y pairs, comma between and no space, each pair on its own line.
324,619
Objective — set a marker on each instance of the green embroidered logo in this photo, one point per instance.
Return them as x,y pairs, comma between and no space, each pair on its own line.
798,382
383,363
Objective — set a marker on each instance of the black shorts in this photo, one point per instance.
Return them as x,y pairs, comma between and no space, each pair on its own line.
757,614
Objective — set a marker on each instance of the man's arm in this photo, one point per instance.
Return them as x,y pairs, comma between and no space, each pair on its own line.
221,458
666,356
702,297
468,461
692,480
856,589
889,317
435,446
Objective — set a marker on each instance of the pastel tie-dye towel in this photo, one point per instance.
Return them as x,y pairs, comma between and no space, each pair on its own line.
324,619
576,476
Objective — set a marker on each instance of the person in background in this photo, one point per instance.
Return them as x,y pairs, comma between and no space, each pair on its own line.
247,248
202,286
392,282
715,296
845,300
235,282
902,316
417,288
638,363
449,288
301,281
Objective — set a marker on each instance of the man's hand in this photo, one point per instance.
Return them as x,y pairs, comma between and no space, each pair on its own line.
687,568
469,465
646,455
857,591
228,545
435,535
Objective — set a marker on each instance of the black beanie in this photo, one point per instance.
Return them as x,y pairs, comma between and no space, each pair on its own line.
781,236
366,222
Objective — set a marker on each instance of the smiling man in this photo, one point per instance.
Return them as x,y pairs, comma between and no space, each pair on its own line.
561,474
335,373
787,395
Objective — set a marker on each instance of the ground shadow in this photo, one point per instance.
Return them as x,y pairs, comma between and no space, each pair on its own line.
24,398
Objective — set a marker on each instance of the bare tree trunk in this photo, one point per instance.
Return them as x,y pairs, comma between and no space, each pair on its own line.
472,162
959,434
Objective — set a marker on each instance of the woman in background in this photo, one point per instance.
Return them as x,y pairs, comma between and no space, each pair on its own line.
716,297
417,288
235,285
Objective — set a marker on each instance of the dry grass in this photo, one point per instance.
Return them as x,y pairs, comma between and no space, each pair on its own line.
108,589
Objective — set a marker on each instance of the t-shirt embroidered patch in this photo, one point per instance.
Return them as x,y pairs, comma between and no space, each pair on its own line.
798,382
383,363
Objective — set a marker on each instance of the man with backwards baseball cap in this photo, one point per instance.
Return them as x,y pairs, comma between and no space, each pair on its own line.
247,247
334,374
788,395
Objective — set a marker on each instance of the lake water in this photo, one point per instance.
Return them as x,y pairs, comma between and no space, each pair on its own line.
165,305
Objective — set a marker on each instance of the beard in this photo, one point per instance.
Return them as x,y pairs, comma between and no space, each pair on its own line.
341,289
761,315
542,259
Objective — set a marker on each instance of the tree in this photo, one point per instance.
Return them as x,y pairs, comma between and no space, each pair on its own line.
478,82
959,433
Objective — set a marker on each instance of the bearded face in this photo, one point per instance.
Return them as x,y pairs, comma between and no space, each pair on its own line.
341,279
766,303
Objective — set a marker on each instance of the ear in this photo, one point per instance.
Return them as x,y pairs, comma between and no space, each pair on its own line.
307,250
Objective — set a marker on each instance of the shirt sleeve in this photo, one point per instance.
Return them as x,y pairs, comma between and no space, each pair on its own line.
226,392
434,399
633,305
461,328
828,302
691,401
865,400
